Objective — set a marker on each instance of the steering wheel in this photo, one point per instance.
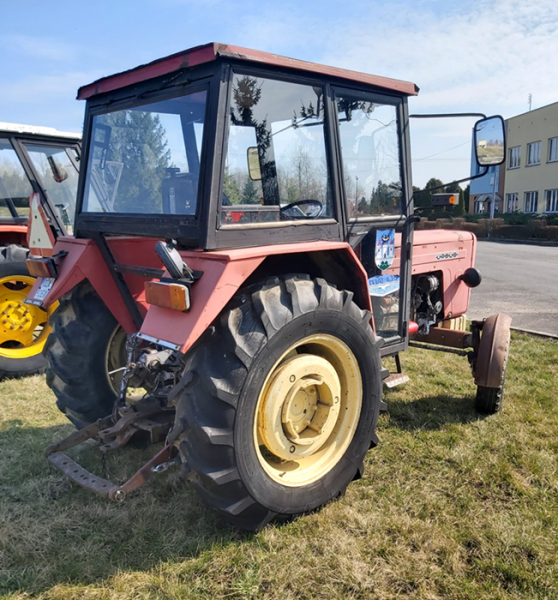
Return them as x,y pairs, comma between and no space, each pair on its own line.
303,209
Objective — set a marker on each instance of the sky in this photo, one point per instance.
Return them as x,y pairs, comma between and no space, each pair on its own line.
483,56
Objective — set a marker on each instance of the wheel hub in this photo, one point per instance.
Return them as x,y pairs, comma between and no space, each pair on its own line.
23,327
300,407
15,316
308,410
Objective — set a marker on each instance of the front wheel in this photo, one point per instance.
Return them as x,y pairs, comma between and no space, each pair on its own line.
491,364
280,401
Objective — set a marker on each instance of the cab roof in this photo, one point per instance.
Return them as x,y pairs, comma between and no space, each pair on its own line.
212,51
37,130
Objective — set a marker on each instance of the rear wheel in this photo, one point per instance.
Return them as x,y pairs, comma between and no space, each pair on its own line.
85,348
23,327
280,401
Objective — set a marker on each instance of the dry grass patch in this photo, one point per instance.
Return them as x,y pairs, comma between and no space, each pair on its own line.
452,505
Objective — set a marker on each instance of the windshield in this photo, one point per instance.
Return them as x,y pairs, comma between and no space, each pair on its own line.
15,188
58,176
146,159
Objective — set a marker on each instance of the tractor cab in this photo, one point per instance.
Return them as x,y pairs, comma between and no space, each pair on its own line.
242,149
38,165
42,161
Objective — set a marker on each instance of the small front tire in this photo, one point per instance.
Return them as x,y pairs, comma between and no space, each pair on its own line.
491,364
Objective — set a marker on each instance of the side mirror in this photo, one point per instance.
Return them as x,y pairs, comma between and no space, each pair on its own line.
490,141
254,164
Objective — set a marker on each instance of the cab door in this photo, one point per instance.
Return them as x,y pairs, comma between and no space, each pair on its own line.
376,198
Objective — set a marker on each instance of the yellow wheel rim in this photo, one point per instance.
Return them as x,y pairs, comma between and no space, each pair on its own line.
308,410
23,327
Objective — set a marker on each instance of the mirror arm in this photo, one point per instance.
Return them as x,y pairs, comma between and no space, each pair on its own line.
445,185
442,116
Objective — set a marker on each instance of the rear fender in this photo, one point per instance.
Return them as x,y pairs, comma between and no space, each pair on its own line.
13,234
224,272
84,261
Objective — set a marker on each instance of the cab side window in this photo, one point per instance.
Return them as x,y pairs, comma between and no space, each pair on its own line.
276,166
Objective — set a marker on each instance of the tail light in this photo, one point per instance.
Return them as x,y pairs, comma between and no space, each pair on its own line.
41,267
168,295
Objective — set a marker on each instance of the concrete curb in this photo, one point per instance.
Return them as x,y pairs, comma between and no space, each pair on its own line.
536,333
546,243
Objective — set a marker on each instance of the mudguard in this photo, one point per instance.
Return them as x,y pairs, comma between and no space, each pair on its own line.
224,272
493,351
84,261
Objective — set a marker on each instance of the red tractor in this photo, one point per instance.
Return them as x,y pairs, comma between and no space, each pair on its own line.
41,163
244,253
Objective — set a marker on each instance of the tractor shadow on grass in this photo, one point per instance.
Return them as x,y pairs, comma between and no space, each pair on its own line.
432,413
54,532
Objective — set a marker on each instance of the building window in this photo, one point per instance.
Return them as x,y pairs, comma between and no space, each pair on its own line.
511,203
479,206
534,154
515,154
551,200
553,149
531,200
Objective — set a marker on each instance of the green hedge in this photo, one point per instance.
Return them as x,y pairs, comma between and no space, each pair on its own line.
512,227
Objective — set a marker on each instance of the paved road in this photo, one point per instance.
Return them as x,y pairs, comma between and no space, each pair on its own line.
520,280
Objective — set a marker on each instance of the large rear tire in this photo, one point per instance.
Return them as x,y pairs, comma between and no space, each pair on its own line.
23,327
279,402
85,346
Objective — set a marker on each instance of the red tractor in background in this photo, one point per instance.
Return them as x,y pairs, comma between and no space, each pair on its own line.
244,253
42,163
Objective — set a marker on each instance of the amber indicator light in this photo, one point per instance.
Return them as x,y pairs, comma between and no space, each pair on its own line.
167,295
41,267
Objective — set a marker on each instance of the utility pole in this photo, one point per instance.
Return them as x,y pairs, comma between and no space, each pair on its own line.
493,203
530,100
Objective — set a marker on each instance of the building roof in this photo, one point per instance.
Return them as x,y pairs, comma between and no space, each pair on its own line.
36,130
212,51
551,106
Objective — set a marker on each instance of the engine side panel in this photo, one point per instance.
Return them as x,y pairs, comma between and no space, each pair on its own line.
449,252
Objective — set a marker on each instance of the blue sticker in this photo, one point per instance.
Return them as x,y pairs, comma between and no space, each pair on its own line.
385,248
383,285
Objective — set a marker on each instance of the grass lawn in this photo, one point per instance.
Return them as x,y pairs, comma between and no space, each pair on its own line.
452,505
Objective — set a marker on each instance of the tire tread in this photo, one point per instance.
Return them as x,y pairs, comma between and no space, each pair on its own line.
217,371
